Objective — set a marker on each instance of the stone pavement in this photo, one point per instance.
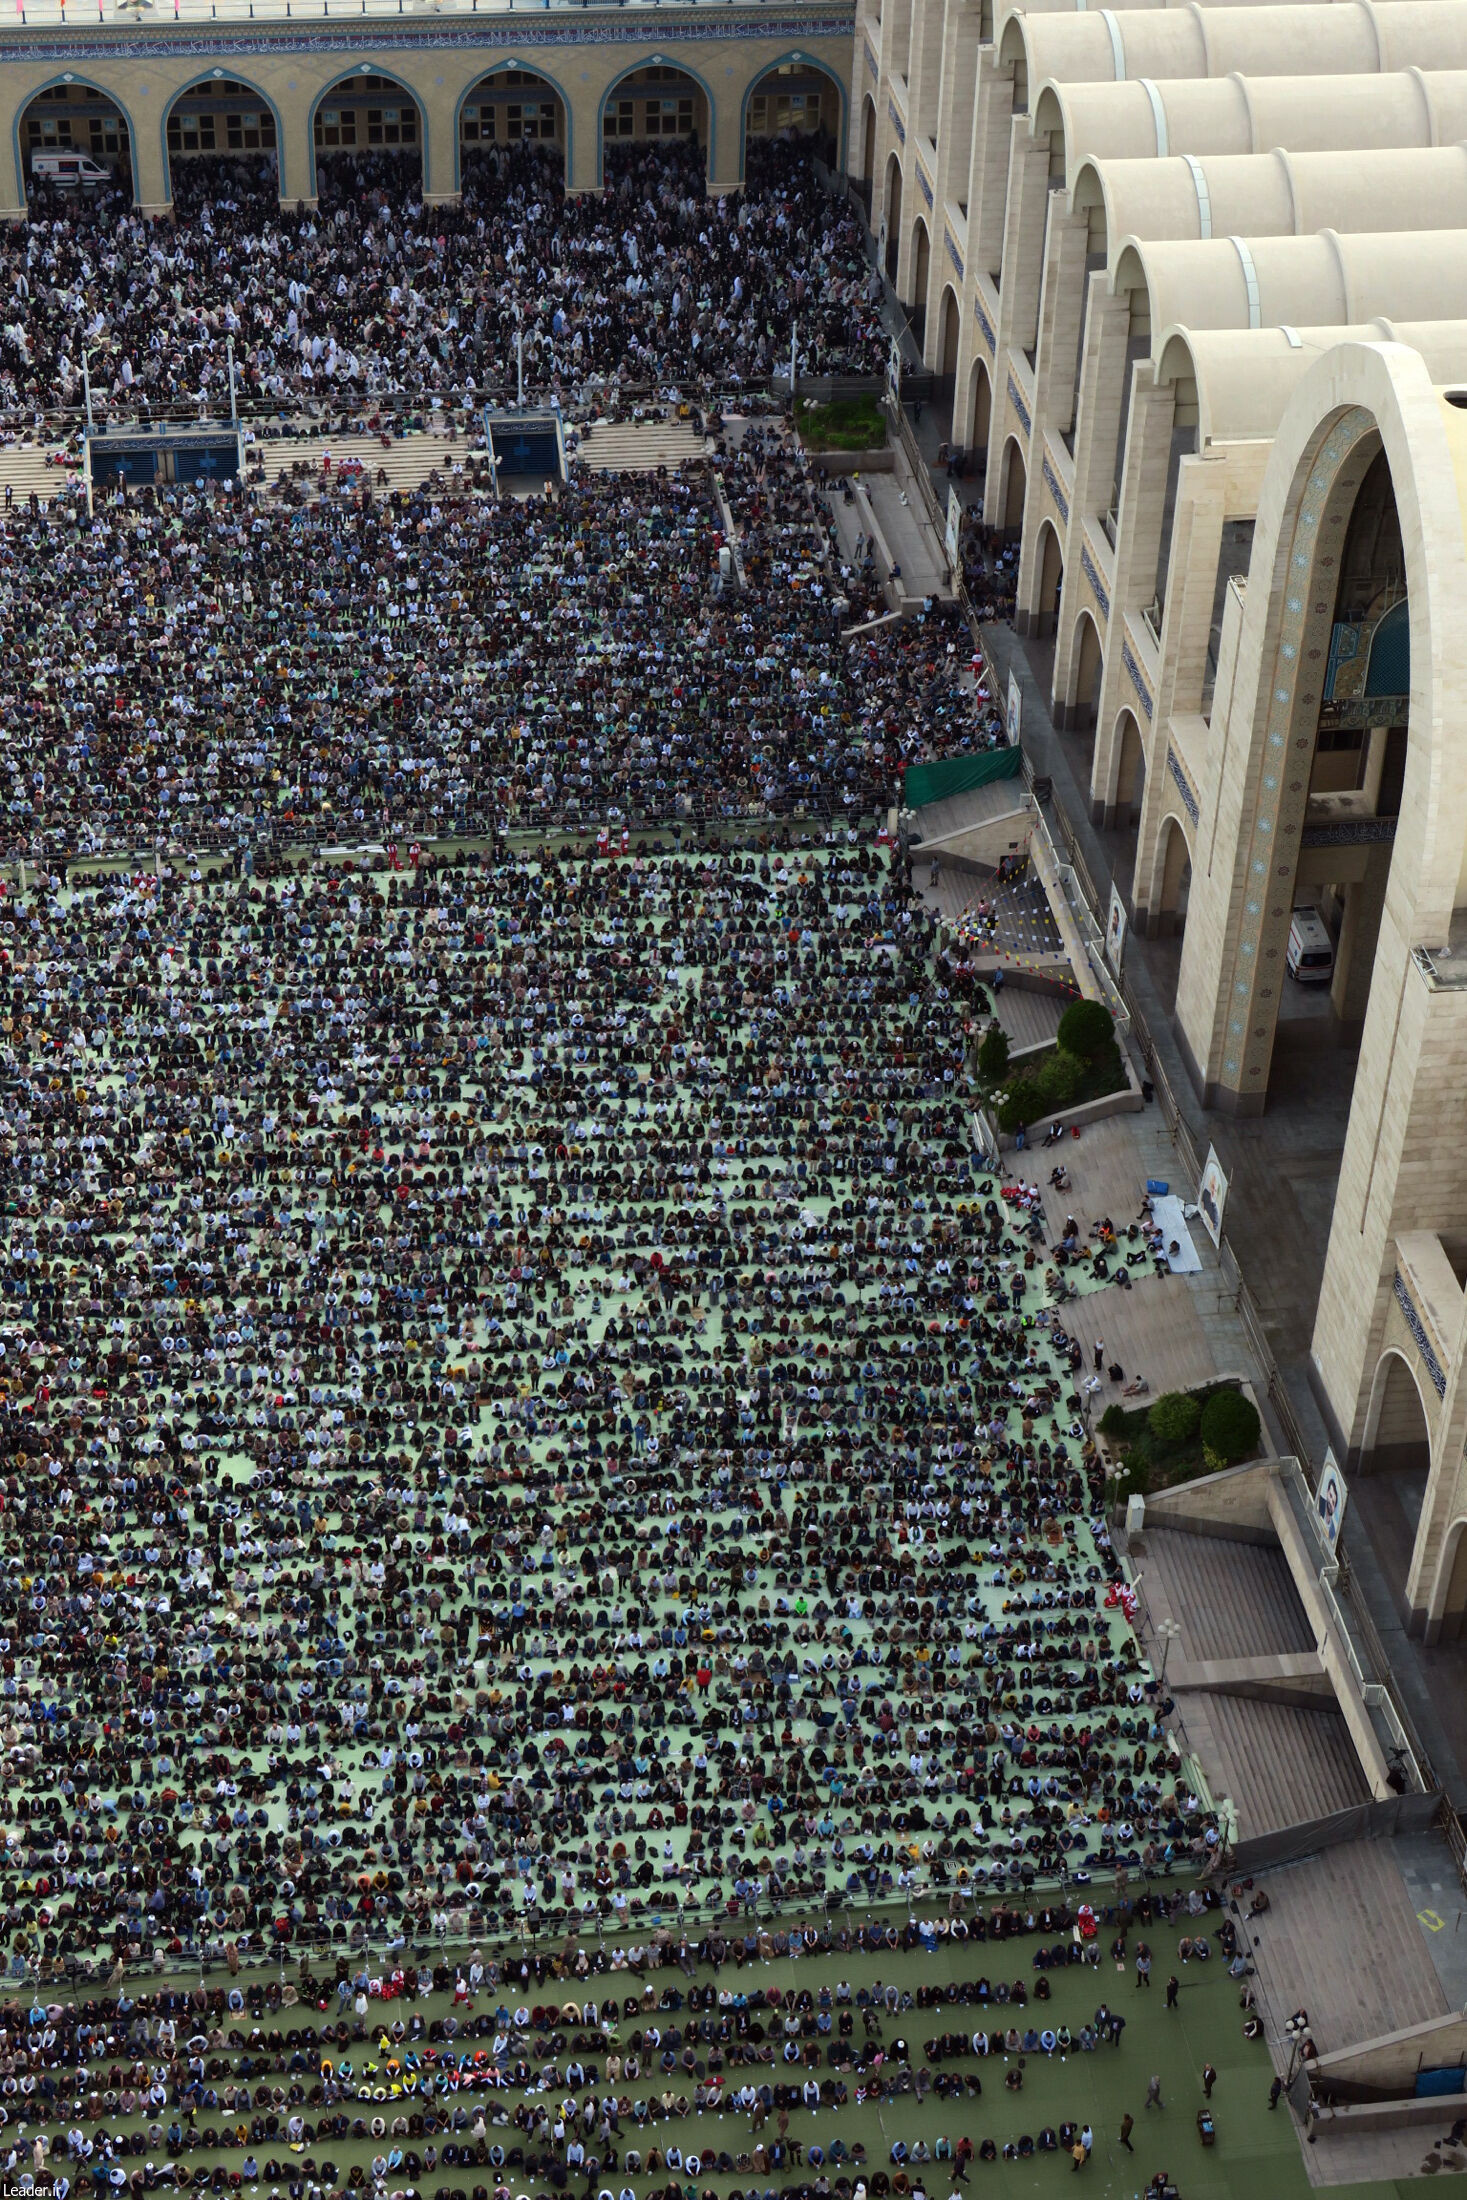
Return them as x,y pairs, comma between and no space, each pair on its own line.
1282,1169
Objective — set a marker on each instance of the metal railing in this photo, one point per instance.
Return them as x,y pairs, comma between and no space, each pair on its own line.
1355,1632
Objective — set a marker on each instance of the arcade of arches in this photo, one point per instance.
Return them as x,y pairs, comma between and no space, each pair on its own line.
151,110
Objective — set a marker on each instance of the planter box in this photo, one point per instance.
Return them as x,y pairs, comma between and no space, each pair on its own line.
881,461
1125,1100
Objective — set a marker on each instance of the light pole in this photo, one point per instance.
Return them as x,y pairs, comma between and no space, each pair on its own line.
1167,1631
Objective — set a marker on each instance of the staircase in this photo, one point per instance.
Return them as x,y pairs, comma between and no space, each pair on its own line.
1278,1746
23,468
405,463
639,446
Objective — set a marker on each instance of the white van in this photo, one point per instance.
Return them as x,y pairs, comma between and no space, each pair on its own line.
1310,957
69,171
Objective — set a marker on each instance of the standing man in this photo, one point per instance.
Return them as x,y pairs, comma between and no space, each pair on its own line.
1153,2093
1128,2125
1209,2080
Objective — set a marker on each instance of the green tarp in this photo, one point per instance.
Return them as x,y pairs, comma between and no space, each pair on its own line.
926,783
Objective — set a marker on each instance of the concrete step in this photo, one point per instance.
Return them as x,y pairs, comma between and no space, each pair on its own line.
402,464
23,468
1282,1766
1233,1600
639,446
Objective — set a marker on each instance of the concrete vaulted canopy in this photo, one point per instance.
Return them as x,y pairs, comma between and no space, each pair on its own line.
1256,282
1235,383
1343,39
1250,114
1270,194
1207,270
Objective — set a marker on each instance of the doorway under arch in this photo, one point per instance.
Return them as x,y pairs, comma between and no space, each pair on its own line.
980,417
1051,581
949,328
1174,880
652,104
221,136
75,118
797,100
510,109
363,127
1013,487
893,215
1088,661
1398,1432
868,146
919,268
1131,769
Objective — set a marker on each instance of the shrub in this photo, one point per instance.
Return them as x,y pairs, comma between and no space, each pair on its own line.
993,1055
1174,1417
1084,1028
1113,1421
1061,1080
1134,1478
1230,1427
1022,1105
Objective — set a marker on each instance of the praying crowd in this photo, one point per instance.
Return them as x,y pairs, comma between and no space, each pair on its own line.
554,1579
215,668
370,294
525,1417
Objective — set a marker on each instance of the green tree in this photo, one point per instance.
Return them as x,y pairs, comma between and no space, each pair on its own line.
1021,1105
1061,1080
1174,1417
993,1055
1230,1427
1084,1029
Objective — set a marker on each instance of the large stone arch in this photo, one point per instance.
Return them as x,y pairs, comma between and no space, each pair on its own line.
1446,1618
201,83
800,59
78,79
633,70
1228,997
495,68
340,81
1085,674
1403,1167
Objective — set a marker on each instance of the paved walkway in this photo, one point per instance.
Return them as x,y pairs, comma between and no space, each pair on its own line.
1282,1169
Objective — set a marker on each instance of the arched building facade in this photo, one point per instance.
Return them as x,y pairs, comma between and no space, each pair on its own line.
144,100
